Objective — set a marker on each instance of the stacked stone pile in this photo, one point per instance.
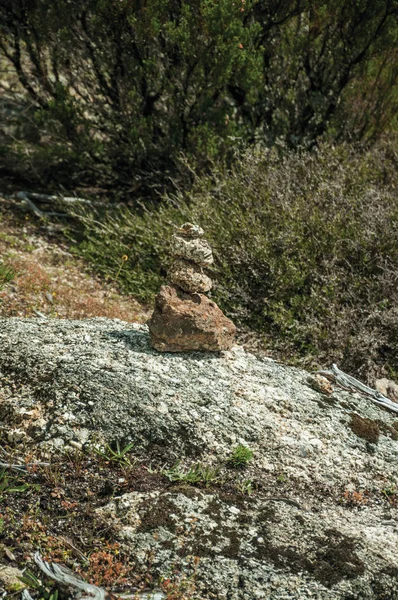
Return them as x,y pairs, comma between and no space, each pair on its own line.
184,317
191,253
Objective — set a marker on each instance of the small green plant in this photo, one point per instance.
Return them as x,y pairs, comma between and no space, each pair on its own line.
281,478
45,591
240,456
6,275
194,475
119,455
389,491
246,487
10,484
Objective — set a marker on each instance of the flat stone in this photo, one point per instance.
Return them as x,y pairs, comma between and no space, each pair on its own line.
189,322
189,277
195,250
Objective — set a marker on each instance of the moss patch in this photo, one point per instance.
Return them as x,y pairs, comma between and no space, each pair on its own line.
163,513
390,431
334,558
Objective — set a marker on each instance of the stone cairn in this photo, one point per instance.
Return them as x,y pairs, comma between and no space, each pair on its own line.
185,318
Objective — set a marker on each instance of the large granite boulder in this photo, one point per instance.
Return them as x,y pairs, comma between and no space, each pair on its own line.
315,514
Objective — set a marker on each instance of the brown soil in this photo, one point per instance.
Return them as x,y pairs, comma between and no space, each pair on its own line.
50,280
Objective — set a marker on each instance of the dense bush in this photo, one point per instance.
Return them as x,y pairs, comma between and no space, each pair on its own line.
109,92
306,250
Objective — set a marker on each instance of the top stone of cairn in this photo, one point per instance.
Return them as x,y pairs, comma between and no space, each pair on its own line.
188,230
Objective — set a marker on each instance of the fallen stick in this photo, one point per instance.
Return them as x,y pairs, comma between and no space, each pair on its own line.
50,199
32,206
66,578
348,382
23,196
39,314
22,468
283,499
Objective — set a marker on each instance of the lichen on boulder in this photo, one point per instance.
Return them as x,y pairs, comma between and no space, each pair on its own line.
290,530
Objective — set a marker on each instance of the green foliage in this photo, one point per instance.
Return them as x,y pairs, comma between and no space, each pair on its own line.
45,591
110,92
305,247
196,474
240,456
11,484
390,491
6,275
118,454
246,487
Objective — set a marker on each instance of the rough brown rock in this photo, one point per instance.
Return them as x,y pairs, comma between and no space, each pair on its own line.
189,277
320,384
183,322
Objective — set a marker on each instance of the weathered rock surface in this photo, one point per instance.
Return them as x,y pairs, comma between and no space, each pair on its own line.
319,522
189,277
187,322
10,579
190,230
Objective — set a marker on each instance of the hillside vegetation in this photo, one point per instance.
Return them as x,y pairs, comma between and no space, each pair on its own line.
108,94
306,250
272,124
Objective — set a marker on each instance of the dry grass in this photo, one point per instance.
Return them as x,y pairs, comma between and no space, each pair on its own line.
50,280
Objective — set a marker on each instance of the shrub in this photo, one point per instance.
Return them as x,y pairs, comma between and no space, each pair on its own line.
240,456
110,92
305,244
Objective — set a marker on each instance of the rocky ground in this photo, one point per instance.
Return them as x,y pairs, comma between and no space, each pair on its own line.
150,453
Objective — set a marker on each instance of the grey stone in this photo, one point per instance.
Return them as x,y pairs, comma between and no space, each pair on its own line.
10,579
189,277
192,249
189,230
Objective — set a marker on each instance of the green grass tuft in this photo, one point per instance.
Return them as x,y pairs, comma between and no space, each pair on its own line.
240,456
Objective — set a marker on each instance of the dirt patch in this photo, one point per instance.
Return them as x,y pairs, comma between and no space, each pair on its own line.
365,428
162,513
50,280
53,509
